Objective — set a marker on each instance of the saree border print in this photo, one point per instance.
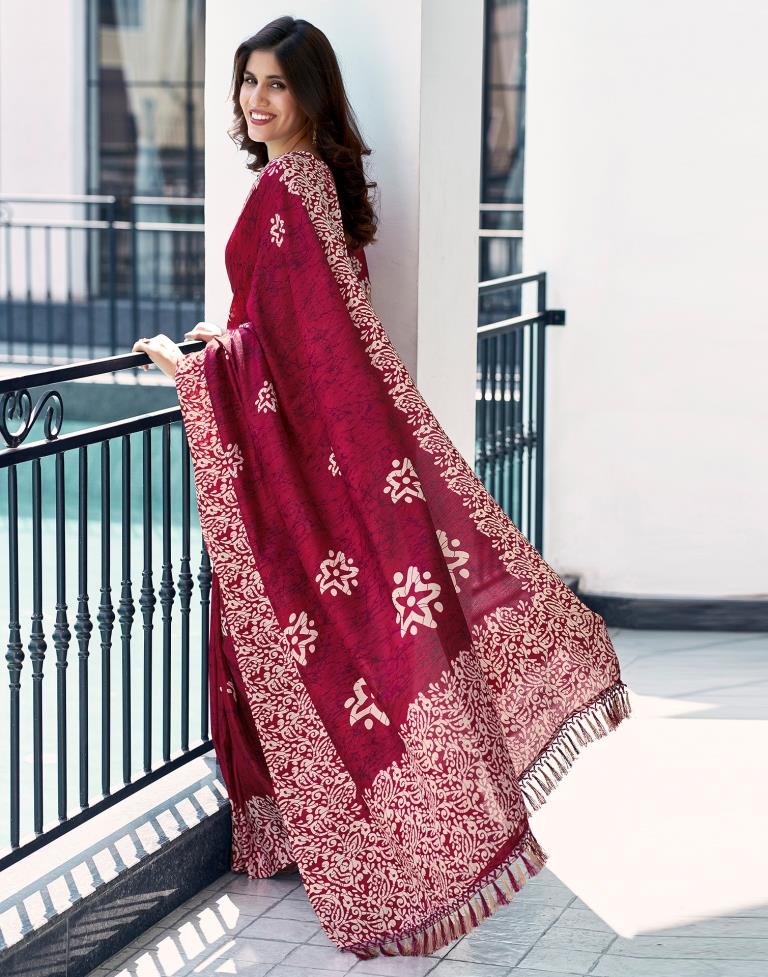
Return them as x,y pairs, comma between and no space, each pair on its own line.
327,817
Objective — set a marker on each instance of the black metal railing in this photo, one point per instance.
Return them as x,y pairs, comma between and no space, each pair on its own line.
85,516
82,286
511,363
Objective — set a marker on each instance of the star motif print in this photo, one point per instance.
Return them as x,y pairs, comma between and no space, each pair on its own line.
267,399
301,636
403,483
337,573
454,557
363,707
415,599
277,229
333,466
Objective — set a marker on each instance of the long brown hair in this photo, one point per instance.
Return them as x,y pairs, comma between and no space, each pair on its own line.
310,67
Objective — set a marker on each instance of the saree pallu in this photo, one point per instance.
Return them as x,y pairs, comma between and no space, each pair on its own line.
398,676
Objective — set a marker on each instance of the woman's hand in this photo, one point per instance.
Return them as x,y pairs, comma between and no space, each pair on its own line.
162,351
205,331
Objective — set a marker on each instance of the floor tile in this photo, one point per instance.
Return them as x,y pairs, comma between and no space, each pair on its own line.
463,968
292,909
399,966
609,966
288,930
695,947
321,958
560,959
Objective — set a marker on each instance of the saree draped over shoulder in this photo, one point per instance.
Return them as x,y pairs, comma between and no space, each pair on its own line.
397,676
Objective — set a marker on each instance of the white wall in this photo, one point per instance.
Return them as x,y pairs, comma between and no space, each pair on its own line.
42,124
399,63
646,201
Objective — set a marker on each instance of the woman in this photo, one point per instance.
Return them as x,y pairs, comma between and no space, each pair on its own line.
395,670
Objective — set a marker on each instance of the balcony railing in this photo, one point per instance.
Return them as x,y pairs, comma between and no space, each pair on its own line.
511,367
84,284
99,525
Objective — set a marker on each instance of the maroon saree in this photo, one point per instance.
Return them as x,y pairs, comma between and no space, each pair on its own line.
396,674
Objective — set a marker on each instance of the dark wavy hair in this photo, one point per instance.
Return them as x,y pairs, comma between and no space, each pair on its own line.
310,67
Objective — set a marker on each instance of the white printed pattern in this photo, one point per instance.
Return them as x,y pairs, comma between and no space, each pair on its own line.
362,706
415,600
277,229
231,457
337,573
301,636
333,465
267,399
403,482
455,558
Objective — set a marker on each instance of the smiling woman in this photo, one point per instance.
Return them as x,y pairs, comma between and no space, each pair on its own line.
396,674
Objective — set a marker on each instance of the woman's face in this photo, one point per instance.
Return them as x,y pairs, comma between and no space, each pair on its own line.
271,112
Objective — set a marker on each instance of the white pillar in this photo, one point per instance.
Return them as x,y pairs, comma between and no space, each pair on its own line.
413,74
646,201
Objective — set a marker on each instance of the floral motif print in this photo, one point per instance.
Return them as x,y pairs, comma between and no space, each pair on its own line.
403,482
230,689
338,574
277,229
362,706
454,558
333,466
231,457
415,600
267,399
301,635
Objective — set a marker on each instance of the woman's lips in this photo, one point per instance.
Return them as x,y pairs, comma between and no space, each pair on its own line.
261,121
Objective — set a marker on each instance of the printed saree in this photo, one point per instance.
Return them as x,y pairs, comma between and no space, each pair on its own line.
397,676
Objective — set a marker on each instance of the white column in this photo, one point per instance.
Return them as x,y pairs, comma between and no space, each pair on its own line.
412,71
646,201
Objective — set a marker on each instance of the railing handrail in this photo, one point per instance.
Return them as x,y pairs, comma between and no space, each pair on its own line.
59,198
517,279
89,368
102,225
99,198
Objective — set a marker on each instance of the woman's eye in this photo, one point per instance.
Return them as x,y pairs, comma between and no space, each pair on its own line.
279,84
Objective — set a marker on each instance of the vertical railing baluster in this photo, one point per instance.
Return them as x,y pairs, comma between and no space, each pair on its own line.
204,584
9,289
48,292
83,623
185,589
494,417
15,654
112,245
167,592
37,646
61,639
540,331
106,618
147,600
482,420
28,275
504,410
126,609
155,238
518,386
134,271
70,301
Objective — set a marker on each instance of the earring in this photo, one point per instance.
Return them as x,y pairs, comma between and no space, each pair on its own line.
314,132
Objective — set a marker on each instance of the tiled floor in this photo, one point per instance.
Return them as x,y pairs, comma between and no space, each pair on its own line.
658,862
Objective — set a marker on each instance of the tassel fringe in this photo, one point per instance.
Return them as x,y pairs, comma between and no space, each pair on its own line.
590,723
527,861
